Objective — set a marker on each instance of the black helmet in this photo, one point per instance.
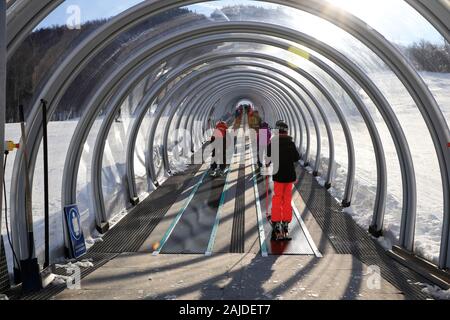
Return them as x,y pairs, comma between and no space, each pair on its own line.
281,126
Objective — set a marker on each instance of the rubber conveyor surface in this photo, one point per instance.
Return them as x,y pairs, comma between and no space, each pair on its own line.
193,231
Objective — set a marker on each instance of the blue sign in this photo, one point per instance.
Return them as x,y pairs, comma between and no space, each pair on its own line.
73,223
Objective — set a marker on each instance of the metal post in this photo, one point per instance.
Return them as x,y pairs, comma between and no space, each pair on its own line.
46,195
2,94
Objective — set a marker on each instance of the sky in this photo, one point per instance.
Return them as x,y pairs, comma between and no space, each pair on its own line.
375,13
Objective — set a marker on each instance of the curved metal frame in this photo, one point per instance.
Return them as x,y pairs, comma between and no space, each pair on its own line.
293,106
153,129
398,136
88,111
300,97
220,84
192,108
316,62
409,77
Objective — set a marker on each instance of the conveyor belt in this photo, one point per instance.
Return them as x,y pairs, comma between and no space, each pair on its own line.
193,230
238,232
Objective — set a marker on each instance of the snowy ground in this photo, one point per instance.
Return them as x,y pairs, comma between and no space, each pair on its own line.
429,217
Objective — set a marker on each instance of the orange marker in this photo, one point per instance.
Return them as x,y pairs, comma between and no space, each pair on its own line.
155,246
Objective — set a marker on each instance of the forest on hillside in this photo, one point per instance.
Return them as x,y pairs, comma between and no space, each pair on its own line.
40,54
43,50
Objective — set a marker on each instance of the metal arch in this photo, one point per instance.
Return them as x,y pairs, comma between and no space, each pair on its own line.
435,12
200,101
435,121
230,86
131,145
202,94
159,113
219,101
147,99
154,124
192,107
424,100
95,171
23,16
34,146
237,82
286,100
290,78
216,98
333,103
18,167
310,111
199,96
304,117
230,83
368,121
406,165
293,107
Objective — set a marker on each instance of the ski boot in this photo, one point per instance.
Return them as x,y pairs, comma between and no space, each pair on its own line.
214,172
277,231
285,227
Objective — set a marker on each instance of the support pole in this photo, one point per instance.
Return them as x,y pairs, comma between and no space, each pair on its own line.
2,93
46,206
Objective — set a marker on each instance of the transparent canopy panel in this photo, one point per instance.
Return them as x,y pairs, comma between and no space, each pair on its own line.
50,42
422,45
64,121
429,215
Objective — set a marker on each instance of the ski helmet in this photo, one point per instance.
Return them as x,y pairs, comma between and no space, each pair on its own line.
282,126
221,125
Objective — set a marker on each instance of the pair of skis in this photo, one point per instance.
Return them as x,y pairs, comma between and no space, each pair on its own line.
218,173
274,236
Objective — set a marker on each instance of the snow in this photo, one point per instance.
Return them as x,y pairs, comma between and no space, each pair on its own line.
429,187
93,238
434,291
86,263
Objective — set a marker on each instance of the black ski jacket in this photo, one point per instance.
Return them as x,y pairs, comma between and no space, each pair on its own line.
287,158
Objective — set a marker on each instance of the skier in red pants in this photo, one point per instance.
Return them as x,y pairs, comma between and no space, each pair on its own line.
284,180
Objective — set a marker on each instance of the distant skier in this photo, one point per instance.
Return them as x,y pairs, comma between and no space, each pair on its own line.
262,140
283,179
117,117
219,154
254,120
